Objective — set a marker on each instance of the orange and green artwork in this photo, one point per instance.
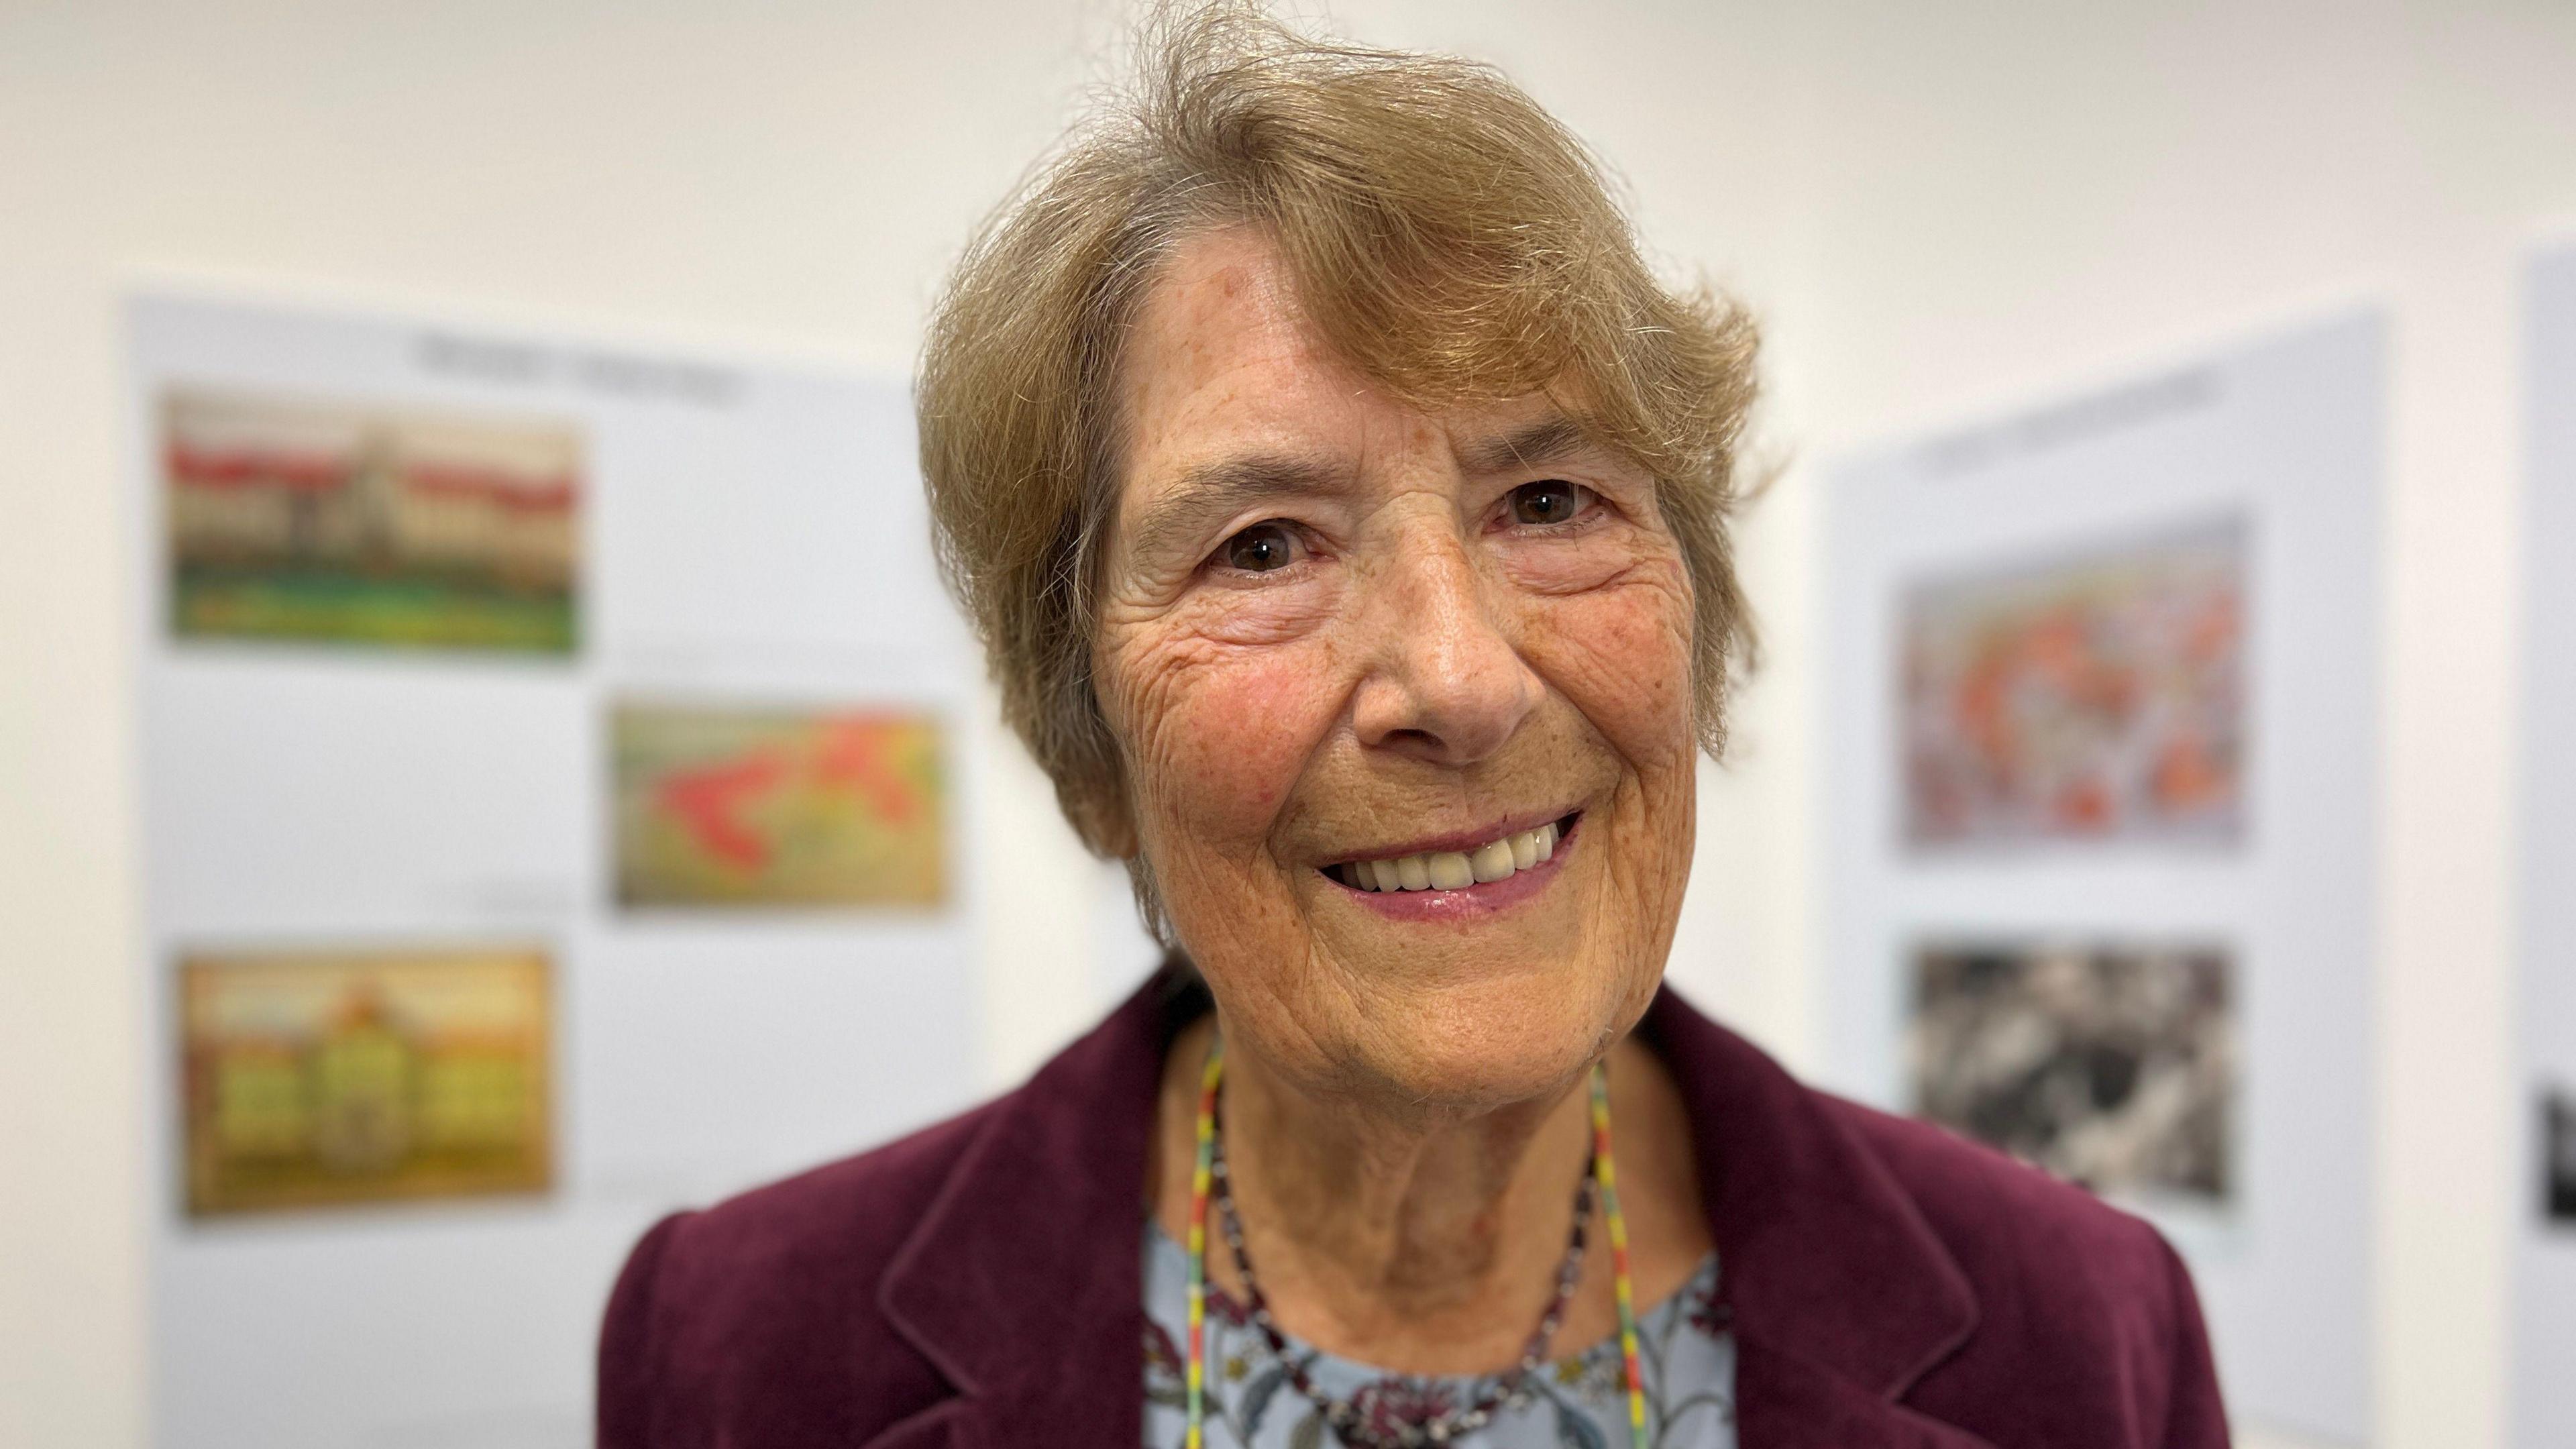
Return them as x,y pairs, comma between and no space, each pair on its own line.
324,1078
2095,697
754,808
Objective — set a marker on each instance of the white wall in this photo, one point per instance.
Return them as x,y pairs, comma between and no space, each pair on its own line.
1938,210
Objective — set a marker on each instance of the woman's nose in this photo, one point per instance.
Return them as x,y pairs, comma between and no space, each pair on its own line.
1445,681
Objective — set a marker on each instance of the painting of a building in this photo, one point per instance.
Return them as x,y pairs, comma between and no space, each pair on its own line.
319,1078
296,520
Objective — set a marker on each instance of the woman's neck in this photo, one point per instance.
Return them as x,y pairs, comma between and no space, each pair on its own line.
1417,1241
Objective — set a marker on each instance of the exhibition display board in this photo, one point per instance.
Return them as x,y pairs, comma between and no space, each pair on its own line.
554,806
2544,1269
2102,683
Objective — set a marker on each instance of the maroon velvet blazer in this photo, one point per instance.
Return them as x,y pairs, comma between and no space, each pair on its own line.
980,1284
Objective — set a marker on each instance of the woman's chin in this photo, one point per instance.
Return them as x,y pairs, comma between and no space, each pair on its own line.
1451,1023
1467,1049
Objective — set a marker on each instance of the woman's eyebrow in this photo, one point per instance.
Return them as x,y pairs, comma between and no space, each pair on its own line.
1551,439
1209,494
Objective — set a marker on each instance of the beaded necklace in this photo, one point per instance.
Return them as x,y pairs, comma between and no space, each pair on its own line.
1207,1181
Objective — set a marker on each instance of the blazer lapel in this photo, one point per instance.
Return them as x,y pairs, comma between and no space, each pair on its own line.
1021,1283
1839,1293
1785,1402
944,1425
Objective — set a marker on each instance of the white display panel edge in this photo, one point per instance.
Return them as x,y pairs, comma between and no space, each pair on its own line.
2544,1276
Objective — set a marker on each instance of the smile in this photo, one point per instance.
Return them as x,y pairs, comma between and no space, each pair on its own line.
1489,863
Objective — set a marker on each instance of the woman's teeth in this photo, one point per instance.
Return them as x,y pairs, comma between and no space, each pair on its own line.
1449,870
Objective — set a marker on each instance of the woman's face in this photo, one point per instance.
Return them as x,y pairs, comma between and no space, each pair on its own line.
1337,629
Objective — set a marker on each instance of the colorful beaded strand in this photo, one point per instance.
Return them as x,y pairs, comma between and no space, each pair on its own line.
1202,1180
1199,1182
1607,1172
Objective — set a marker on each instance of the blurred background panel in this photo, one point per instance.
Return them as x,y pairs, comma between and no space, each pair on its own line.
2101,825
1942,214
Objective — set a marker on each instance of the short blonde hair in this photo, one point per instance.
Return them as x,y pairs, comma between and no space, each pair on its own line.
1448,238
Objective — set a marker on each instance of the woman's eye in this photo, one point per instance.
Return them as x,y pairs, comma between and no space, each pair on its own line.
1552,501
1261,548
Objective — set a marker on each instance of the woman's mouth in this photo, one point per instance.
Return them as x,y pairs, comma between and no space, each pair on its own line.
1488,863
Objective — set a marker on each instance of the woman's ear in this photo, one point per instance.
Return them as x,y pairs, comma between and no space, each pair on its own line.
1116,840
1101,817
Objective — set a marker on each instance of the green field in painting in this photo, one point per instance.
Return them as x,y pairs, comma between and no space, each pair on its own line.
399,611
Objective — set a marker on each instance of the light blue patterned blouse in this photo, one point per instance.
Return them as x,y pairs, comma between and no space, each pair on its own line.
1684,1352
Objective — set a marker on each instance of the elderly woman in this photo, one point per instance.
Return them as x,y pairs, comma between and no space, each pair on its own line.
1343,504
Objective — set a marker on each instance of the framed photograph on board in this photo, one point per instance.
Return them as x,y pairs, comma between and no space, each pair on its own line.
329,1078
766,808
2111,1065
2095,695
2558,1158
294,519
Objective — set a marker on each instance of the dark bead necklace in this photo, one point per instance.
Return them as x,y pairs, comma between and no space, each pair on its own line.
1508,1393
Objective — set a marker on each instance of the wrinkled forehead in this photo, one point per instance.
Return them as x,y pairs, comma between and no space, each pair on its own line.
1224,363
1222,344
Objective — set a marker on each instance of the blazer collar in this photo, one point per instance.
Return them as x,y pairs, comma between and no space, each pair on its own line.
1021,1281
1839,1293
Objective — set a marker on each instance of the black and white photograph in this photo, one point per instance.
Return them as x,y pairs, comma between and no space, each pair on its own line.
2112,1066
2558,1157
